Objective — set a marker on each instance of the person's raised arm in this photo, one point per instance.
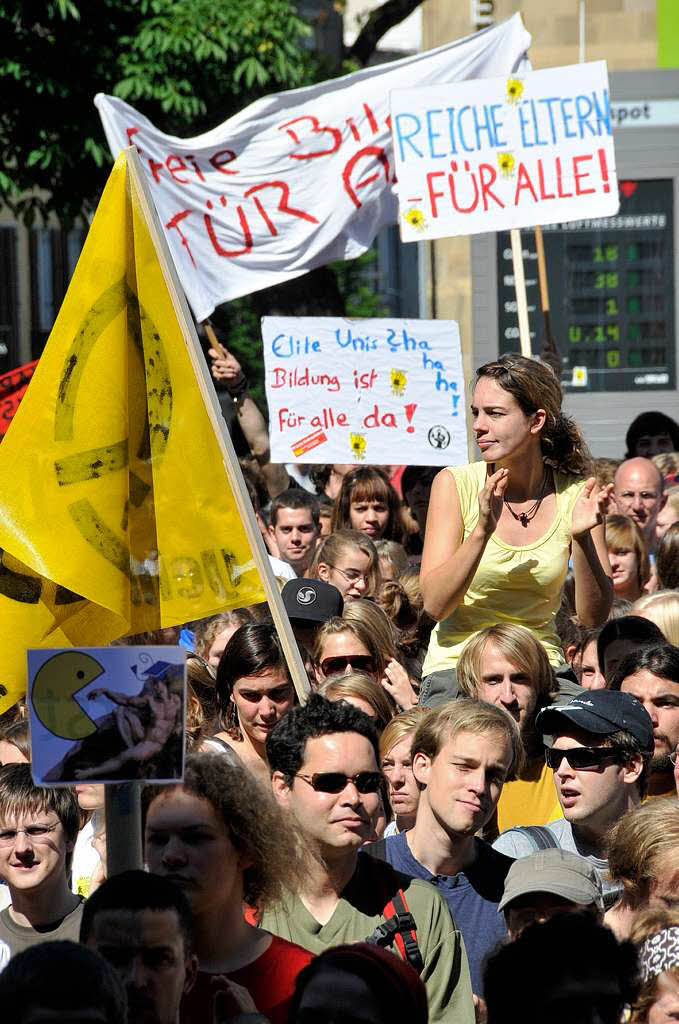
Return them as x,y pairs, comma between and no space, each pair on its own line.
227,370
448,561
591,568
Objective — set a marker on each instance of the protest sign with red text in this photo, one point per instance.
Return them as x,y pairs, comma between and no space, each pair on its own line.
295,180
505,152
13,386
365,391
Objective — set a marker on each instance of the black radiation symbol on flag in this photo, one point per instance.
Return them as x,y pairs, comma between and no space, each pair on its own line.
149,428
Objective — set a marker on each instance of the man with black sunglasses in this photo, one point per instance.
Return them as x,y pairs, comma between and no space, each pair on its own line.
599,747
324,760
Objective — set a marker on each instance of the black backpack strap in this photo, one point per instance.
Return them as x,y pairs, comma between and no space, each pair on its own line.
399,928
541,837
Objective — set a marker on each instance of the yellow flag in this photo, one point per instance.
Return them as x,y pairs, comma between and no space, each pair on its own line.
116,511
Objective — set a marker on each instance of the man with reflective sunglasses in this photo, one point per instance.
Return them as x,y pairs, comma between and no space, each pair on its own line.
324,760
38,829
599,747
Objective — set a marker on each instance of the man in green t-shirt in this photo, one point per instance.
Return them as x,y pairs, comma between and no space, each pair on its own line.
324,761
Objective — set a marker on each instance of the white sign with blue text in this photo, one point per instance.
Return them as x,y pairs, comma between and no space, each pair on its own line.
504,153
365,391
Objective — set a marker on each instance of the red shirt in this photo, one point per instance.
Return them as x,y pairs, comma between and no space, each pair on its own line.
270,980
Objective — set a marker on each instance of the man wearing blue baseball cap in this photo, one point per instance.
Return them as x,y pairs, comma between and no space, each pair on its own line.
599,746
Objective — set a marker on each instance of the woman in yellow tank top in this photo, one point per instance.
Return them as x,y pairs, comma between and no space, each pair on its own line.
500,532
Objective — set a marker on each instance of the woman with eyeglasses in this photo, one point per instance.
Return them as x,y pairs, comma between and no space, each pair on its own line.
254,691
394,678
348,560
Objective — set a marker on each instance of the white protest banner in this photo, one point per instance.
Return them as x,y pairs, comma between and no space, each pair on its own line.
504,153
365,391
295,180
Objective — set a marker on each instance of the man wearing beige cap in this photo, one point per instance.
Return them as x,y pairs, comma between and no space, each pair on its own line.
549,882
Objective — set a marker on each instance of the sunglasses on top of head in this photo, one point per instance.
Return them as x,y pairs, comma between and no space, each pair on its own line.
581,757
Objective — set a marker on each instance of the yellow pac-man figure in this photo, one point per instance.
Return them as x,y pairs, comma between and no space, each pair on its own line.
358,445
54,688
399,379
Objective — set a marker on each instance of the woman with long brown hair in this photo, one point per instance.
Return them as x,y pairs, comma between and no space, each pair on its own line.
254,691
500,531
367,502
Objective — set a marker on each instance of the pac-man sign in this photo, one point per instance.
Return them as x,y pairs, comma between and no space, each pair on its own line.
55,687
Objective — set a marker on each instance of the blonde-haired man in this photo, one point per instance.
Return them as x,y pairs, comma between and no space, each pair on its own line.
506,666
462,754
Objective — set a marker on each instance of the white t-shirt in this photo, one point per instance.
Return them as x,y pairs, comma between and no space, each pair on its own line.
282,570
85,859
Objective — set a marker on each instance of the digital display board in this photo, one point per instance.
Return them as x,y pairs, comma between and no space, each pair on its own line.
611,287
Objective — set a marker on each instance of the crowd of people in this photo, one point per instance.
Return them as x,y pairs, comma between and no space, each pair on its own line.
474,815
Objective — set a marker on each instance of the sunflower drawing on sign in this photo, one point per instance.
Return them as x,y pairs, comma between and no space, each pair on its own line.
358,445
416,219
507,164
514,90
399,381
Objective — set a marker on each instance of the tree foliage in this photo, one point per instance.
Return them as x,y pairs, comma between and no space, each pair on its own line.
185,64
188,64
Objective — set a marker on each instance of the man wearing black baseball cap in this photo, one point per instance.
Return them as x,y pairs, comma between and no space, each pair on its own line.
310,603
599,747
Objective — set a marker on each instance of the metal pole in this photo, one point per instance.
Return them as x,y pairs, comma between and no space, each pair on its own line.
520,291
123,827
581,31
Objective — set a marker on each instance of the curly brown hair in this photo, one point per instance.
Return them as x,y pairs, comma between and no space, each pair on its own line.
534,386
257,827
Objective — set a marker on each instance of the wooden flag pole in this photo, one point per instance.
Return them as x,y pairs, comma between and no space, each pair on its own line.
261,558
520,291
214,341
550,350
